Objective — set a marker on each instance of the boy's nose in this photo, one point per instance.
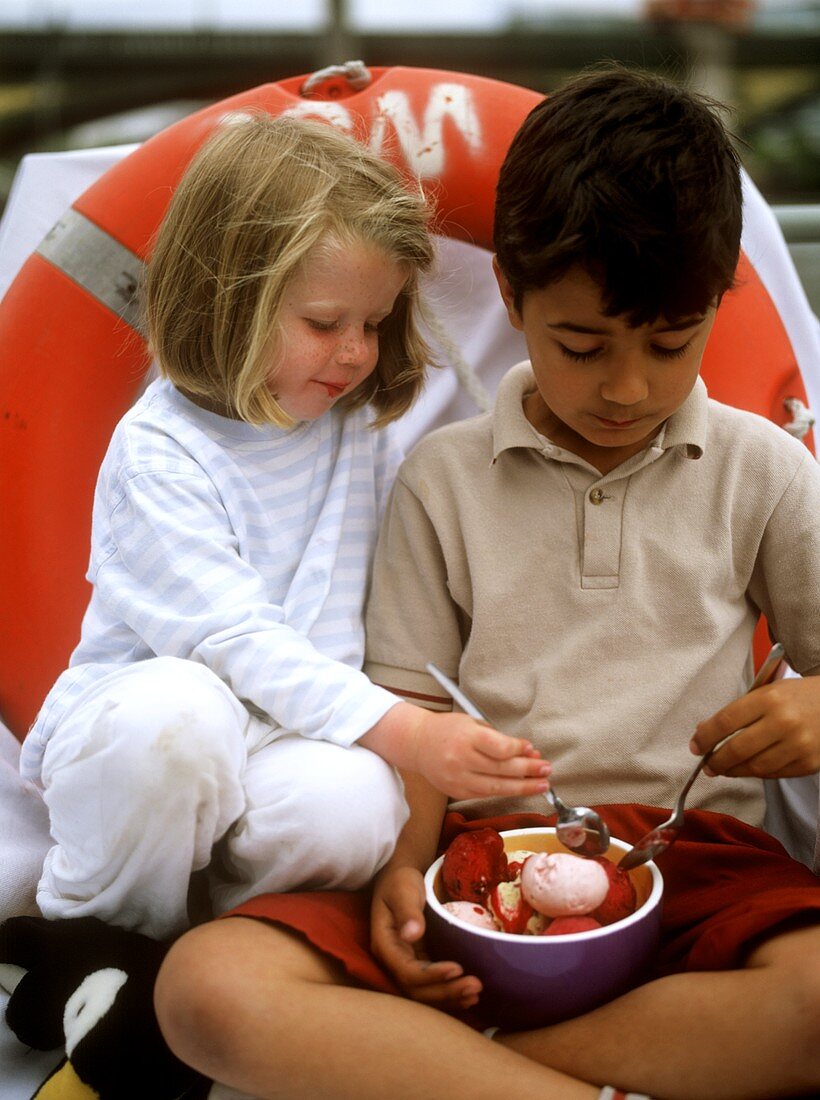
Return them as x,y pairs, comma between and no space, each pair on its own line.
625,385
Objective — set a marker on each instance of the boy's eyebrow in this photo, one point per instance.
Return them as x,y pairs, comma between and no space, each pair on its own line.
570,326
585,330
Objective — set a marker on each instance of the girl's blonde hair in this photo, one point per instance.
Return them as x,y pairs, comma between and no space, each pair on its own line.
257,198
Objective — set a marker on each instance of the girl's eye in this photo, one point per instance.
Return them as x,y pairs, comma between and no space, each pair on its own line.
321,326
671,353
579,356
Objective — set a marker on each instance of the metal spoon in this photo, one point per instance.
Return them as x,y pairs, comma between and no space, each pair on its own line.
578,828
657,840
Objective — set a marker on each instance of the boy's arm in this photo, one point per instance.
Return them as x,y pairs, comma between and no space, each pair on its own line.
778,726
779,734
397,914
412,618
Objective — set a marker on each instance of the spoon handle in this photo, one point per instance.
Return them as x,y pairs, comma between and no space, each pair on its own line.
457,694
470,708
770,667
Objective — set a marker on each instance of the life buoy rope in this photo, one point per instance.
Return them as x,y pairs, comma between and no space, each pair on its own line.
72,360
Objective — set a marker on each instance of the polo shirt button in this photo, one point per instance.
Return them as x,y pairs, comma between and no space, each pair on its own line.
597,496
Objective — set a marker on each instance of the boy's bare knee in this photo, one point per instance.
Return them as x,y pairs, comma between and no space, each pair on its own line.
803,976
219,973
190,995
796,983
805,992
788,949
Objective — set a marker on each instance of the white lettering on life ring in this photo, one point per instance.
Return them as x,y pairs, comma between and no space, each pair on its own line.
330,111
422,147
424,150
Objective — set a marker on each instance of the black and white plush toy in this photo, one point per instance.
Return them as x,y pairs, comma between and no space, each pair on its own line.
88,987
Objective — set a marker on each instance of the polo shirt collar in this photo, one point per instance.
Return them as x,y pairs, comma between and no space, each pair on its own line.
685,429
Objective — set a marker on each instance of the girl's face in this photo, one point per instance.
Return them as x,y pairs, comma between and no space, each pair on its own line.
328,337
603,387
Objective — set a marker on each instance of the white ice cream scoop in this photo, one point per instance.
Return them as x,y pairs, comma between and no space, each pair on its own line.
471,913
558,884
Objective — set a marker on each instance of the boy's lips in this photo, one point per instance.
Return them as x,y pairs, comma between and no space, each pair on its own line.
618,423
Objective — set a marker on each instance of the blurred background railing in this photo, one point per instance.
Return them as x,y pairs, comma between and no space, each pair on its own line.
80,73
801,228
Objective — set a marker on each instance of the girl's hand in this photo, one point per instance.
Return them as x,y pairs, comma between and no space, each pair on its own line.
396,931
468,759
457,755
780,732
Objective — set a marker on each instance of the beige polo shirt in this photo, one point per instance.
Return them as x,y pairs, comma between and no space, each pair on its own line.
600,616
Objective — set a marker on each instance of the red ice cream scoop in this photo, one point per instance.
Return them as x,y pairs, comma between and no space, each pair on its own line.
473,864
621,899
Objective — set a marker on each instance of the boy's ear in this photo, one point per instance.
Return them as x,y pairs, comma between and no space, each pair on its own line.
508,296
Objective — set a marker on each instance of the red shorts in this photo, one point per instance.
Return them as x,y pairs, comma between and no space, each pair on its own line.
727,886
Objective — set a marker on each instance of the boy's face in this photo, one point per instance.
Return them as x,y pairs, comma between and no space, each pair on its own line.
603,388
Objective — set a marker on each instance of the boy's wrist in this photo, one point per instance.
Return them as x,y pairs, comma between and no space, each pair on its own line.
418,842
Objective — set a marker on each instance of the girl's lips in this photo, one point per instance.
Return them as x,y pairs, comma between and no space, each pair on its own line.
334,388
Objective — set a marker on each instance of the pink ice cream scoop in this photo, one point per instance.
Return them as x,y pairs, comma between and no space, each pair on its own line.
559,884
471,913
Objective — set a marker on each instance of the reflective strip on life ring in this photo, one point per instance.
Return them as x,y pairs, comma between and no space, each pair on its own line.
72,360
95,261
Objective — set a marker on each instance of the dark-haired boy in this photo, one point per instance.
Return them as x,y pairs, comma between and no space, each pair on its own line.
589,561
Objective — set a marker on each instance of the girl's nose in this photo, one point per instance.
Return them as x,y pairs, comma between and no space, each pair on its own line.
354,348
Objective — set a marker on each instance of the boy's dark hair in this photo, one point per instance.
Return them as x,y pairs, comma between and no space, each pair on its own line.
631,177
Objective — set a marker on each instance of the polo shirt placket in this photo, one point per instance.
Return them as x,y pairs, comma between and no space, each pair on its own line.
600,502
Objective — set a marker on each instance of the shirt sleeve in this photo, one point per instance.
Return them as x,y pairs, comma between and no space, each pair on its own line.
388,458
174,575
786,580
411,619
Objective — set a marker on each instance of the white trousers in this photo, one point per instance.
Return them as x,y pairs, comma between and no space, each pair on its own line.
159,762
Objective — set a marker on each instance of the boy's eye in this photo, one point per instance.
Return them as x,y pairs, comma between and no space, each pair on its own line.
671,353
579,356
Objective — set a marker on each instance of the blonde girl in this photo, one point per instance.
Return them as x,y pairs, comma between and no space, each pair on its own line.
214,713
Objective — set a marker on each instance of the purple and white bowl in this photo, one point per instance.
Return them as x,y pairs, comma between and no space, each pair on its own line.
532,981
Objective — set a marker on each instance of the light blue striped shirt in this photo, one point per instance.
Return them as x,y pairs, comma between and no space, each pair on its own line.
245,549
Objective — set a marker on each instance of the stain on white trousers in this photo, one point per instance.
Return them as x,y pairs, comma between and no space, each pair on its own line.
159,762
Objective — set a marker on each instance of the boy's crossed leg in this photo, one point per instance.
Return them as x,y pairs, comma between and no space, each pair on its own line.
256,1007
751,1032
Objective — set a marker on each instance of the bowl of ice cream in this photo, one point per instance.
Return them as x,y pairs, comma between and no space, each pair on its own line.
595,938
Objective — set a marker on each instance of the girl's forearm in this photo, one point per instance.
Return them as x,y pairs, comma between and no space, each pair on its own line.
396,735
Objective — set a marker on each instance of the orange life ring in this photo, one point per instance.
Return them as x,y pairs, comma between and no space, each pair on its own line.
72,360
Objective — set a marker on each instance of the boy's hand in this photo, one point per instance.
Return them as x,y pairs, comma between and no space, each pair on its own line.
780,732
457,755
396,930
